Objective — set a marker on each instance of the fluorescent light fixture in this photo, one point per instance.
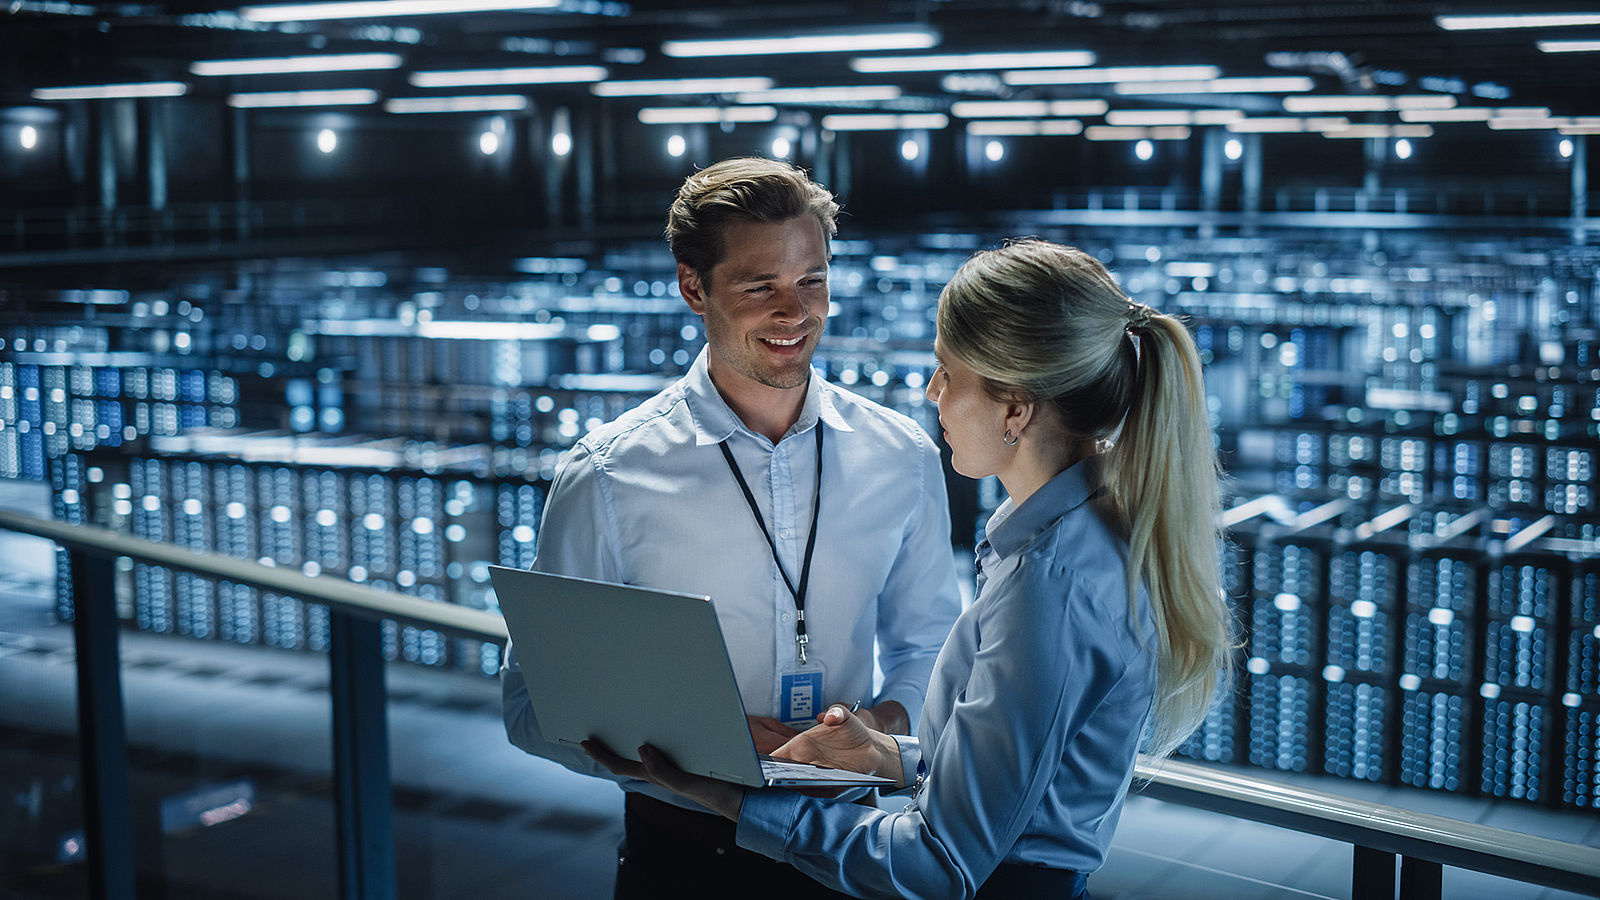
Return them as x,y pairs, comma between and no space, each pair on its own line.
1173,116
1527,124
966,62
885,122
1569,46
663,87
1278,84
477,103
1112,74
1000,109
688,115
844,42
1579,129
1126,133
332,62
1520,20
353,97
1522,112
1367,103
1379,131
1025,127
1267,125
1459,114
113,91
525,75
846,94
368,9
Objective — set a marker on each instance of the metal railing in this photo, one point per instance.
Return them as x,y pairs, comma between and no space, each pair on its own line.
1423,843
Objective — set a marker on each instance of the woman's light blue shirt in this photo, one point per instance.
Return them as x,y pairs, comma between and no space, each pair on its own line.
1032,722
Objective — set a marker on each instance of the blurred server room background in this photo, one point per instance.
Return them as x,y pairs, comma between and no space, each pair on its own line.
332,286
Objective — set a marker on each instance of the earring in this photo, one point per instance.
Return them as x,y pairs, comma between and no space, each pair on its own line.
1008,440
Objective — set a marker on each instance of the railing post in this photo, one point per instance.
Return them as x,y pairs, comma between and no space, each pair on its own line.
362,800
1371,874
1420,879
102,735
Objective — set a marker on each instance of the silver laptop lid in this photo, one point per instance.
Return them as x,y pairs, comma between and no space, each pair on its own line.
630,666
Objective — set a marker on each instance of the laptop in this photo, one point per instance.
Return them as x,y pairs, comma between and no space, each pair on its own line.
632,665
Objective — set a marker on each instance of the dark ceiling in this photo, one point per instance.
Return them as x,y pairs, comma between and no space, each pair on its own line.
1349,47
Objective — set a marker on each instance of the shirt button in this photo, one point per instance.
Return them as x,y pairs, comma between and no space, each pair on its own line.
786,617
785,533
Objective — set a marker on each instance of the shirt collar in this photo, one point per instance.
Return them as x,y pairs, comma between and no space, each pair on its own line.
715,421
1012,527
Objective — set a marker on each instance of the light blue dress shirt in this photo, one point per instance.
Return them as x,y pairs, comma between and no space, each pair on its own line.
1033,721
648,499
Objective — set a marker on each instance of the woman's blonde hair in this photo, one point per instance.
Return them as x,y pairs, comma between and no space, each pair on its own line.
1046,323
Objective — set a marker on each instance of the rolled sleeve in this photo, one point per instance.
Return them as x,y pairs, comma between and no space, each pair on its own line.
766,821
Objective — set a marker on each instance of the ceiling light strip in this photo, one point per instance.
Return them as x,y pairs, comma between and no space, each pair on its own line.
113,91
1024,127
844,94
1130,117
967,62
1118,133
480,103
661,87
885,122
1282,84
264,99
284,65
905,39
1521,20
1001,109
690,115
1110,75
368,9
495,77
1367,102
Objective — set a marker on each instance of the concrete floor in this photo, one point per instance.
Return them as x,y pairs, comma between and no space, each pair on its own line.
475,818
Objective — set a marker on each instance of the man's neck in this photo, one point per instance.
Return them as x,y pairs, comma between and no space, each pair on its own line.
763,409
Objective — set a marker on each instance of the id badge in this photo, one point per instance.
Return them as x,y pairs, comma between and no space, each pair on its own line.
800,693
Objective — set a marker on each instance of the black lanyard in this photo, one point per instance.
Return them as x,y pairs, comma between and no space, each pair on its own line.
799,593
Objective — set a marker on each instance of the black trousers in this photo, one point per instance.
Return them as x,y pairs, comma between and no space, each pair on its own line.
1013,881
669,851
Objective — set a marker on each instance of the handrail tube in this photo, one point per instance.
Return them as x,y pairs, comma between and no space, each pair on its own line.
354,598
1439,839
1372,828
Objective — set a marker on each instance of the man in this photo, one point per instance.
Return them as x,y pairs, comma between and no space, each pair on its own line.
816,519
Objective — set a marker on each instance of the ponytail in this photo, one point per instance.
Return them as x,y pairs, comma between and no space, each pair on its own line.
1162,477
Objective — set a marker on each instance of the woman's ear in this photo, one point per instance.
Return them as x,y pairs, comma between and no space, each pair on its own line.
1018,415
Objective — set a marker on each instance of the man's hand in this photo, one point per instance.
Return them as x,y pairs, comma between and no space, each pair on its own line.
842,740
888,717
769,734
718,796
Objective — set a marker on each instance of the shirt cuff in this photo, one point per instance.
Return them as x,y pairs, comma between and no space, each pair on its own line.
767,820
910,761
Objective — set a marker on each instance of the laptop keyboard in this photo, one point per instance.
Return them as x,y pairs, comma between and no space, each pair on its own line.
779,768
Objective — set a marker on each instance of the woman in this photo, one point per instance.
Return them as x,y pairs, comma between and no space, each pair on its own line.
1099,620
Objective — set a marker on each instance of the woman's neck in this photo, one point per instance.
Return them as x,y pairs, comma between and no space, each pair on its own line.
1036,462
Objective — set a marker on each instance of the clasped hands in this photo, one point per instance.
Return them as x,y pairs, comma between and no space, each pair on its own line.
840,739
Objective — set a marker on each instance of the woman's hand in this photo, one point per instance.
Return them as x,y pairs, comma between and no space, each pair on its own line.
842,740
718,796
